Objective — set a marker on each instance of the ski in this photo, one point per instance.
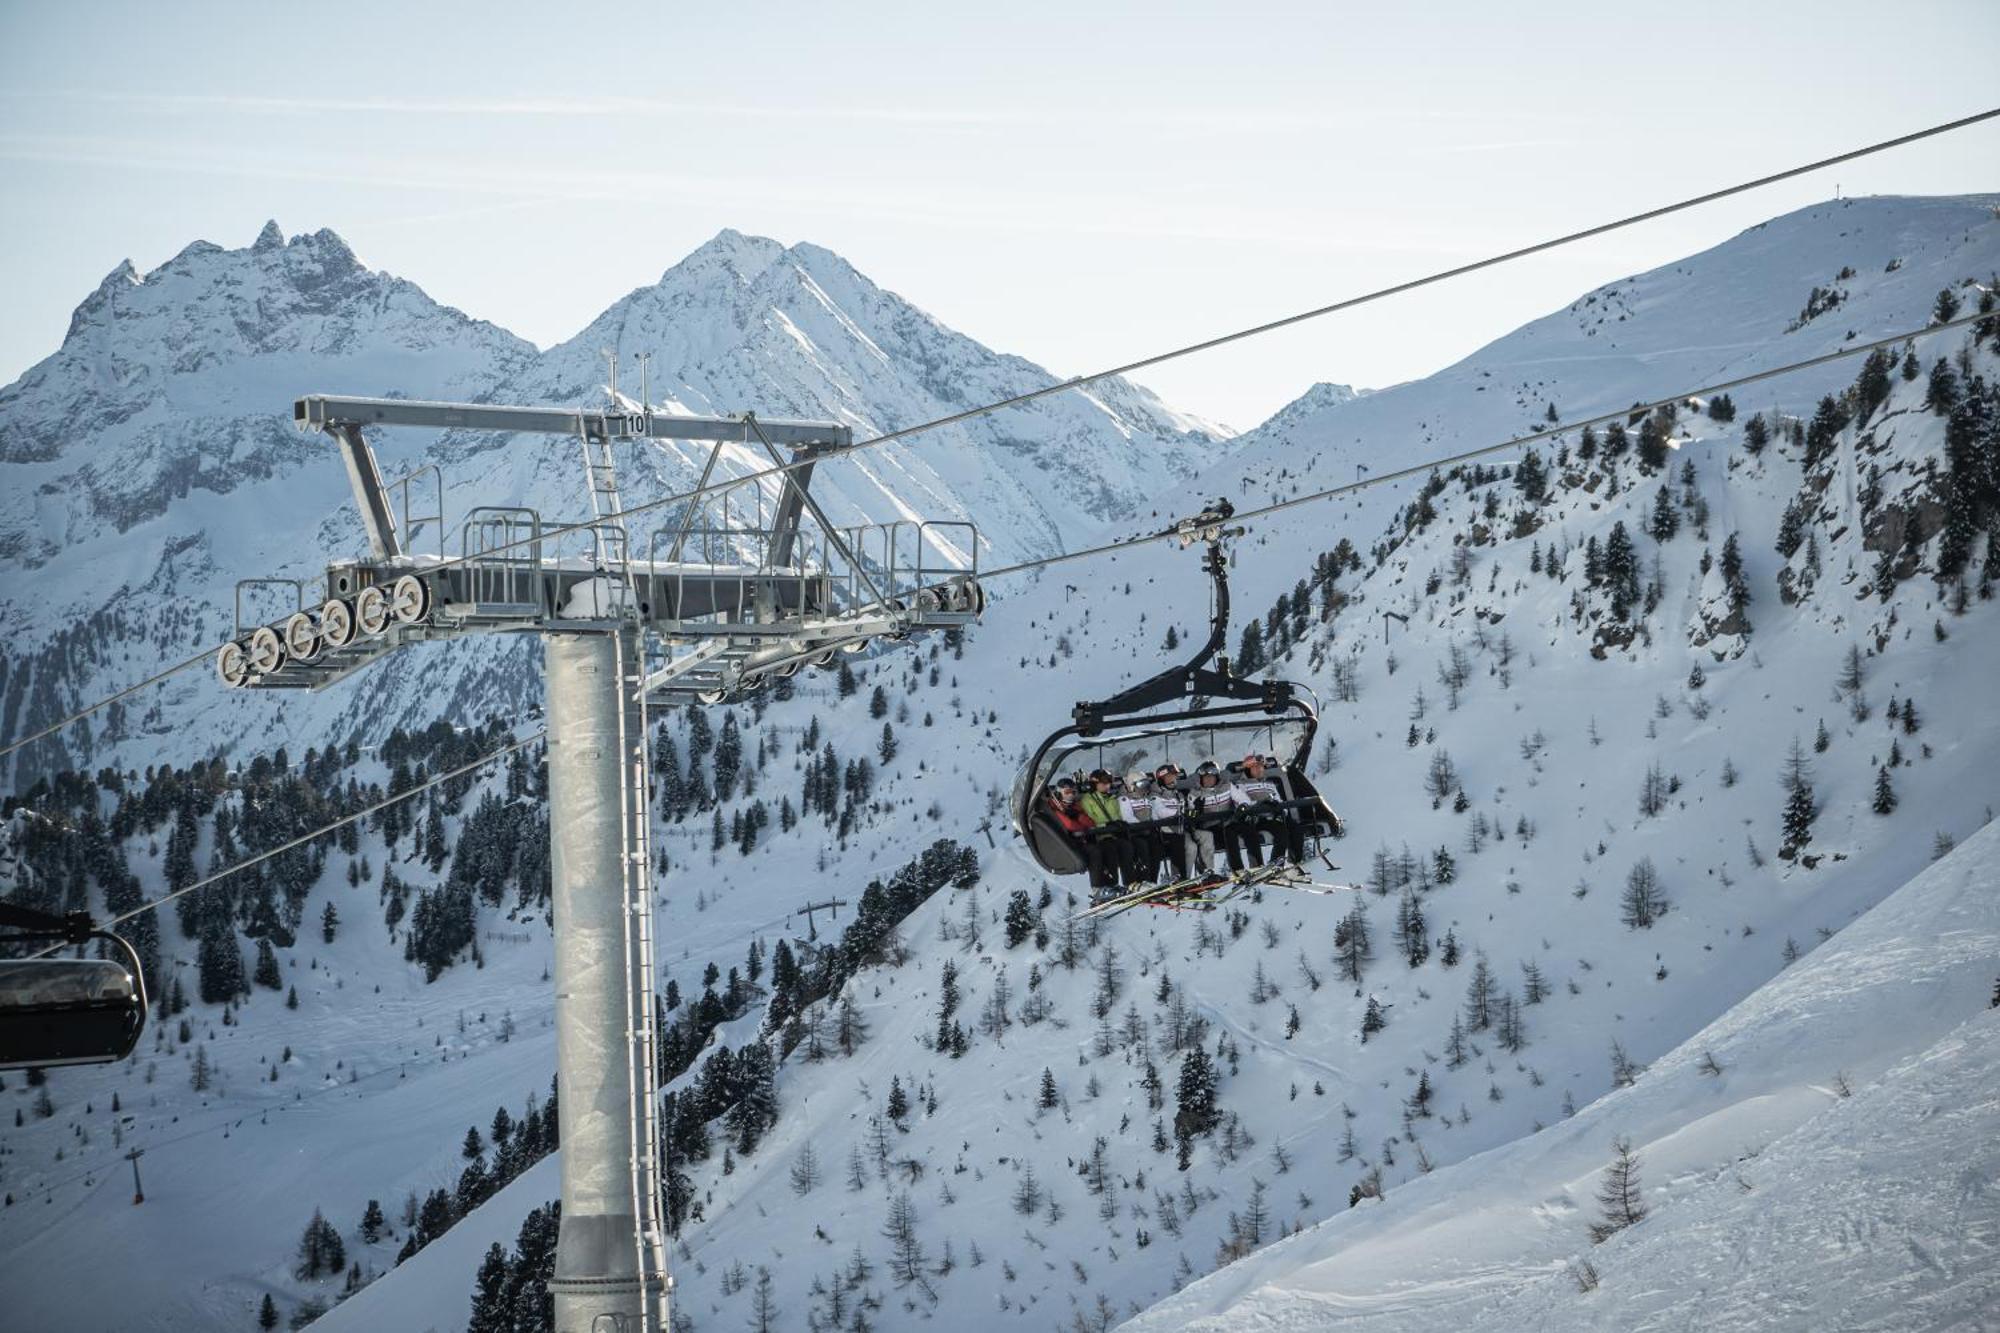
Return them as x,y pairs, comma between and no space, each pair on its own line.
1177,890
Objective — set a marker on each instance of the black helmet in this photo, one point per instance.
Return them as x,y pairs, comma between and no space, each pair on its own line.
1101,775
1207,769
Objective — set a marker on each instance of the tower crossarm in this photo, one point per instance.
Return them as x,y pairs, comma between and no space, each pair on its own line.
328,412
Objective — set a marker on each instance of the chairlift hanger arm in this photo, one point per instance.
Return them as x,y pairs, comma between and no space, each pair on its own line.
70,928
1194,678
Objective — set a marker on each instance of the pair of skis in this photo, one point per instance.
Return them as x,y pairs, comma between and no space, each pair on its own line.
1205,893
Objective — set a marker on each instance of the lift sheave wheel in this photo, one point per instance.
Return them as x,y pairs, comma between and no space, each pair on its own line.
410,599
336,623
302,639
371,610
232,664
267,651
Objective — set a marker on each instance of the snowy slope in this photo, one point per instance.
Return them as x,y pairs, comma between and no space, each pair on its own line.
1046,642
1777,1199
151,462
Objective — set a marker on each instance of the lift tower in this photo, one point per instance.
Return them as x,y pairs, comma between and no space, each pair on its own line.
710,610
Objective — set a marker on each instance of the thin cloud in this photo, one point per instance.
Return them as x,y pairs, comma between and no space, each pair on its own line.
1222,119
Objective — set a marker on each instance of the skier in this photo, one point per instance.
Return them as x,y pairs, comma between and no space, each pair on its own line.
1259,797
1115,836
1210,802
1062,806
1169,817
1136,806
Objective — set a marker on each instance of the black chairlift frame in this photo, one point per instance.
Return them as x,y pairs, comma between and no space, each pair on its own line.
65,1011
1195,679
1195,685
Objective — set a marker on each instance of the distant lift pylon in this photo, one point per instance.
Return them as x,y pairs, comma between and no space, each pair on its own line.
708,611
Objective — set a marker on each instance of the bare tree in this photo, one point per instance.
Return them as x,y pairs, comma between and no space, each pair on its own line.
1619,1193
763,1305
906,1250
805,1170
1642,903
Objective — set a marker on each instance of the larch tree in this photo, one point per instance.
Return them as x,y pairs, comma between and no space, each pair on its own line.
1619,1194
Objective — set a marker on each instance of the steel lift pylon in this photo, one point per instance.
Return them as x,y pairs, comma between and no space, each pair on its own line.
709,612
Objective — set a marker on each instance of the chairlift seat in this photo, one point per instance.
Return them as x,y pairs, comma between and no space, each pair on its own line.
68,1011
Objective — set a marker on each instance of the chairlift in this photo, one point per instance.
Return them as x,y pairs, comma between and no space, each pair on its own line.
1214,714
67,1011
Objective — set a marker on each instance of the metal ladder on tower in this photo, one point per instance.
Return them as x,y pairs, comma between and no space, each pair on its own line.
613,556
612,544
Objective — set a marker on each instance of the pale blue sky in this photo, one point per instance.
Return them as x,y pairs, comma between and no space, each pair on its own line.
1081,184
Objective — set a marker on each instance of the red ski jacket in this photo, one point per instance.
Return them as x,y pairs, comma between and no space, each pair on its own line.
1071,818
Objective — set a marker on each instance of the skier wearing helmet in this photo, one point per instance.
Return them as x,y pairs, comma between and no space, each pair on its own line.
1116,837
1169,811
1136,805
1063,807
1210,800
1259,793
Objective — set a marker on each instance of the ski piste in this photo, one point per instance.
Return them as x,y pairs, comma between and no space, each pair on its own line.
1207,892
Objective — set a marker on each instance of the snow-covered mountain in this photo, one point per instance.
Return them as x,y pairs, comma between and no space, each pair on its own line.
1588,747
151,462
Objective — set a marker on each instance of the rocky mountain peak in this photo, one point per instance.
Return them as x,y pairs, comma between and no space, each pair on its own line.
92,307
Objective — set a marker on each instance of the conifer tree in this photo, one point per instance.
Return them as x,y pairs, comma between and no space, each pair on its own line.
1419,1101
1885,794
1642,902
219,962
1250,650
1531,478
1412,931
1456,1050
1619,1193
1621,570
267,1313
1652,451
267,974
1373,1020
1829,419
1800,809
1020,918
1351,943
1732,574
489,1294
1666,520
1756,435
1480,993
1195,1094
